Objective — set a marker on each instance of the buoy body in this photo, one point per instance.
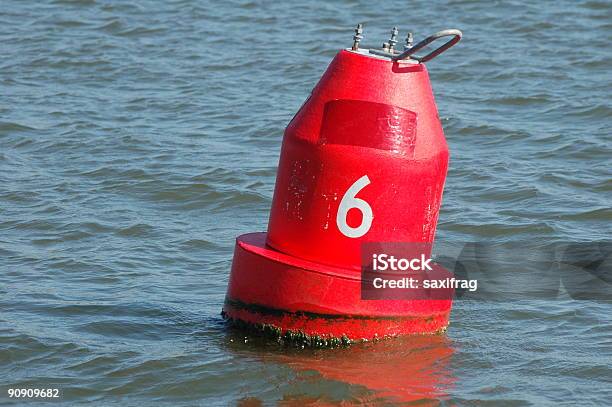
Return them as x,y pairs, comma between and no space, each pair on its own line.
363,160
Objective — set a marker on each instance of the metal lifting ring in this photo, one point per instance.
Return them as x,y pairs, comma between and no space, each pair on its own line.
444,33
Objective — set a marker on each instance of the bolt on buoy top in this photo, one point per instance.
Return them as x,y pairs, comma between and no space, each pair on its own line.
393,39
357,37
409,41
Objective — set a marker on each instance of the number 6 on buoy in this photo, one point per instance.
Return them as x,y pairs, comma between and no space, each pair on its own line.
350,201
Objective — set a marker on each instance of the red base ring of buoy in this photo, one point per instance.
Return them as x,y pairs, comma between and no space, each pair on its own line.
290,294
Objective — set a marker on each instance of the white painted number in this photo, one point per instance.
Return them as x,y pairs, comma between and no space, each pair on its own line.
348,202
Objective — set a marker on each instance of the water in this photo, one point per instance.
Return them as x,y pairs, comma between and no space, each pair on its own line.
137,139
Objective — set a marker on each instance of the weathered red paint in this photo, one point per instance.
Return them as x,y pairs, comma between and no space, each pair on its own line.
369,117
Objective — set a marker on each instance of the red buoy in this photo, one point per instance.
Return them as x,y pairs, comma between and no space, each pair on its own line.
363,160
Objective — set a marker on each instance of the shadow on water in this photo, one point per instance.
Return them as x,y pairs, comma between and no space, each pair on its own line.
413,369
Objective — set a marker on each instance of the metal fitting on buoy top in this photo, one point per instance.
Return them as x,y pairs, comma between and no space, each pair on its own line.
357,37
364,160
409,41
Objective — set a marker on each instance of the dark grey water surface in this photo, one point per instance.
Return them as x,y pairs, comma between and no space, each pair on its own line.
137,139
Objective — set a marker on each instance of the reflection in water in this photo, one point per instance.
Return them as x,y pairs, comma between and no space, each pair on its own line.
400,370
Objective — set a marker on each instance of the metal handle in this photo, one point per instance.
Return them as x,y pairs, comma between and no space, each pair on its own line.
445,33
